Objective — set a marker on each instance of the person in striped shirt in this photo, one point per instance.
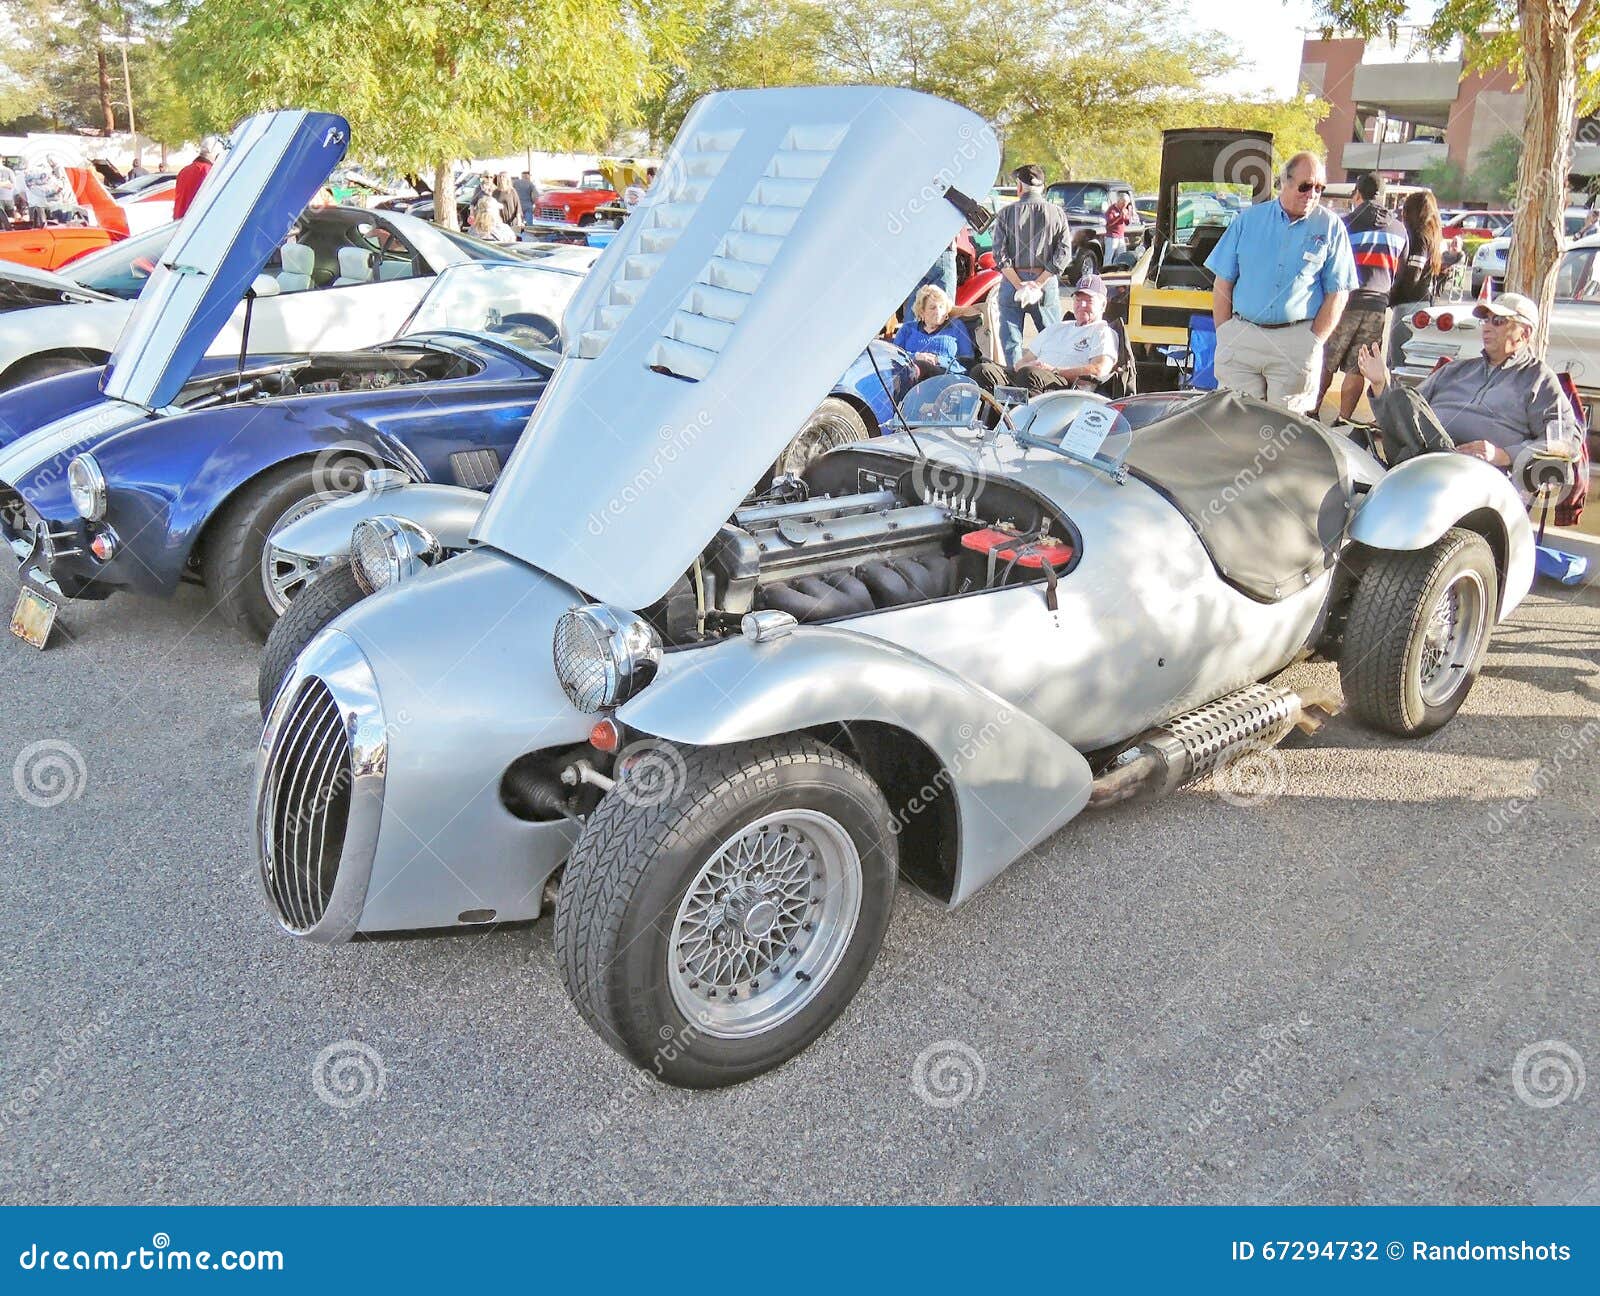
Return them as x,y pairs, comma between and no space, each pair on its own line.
1379,243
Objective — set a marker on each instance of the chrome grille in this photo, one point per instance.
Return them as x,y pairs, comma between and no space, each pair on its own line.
548,213
305,807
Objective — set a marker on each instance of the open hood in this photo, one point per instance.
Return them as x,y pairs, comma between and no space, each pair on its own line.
247,205
1210,155
784,227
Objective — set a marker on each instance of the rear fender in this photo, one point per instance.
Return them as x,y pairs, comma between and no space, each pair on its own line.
1418,501
1014,781
448,513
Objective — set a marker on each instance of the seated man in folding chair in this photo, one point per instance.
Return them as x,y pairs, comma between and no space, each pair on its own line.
1079,353
1505,407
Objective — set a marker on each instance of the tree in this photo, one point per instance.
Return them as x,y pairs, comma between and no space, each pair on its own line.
1551,46
1495,177
426,83
1447,180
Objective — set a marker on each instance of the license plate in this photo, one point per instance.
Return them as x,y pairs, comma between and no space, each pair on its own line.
33,618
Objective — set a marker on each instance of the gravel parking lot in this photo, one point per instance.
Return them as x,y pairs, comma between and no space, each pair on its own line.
1376,984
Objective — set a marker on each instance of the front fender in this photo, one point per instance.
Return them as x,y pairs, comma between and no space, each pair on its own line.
1014,781
448,512
1421,499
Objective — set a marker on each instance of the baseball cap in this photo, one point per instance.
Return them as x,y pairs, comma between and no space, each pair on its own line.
1510,306
1030,174
1093,285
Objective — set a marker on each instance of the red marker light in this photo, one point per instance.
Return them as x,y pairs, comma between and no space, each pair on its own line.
1445,322
1420,320
606,735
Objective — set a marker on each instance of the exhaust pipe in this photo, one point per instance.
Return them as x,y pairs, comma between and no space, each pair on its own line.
1192,745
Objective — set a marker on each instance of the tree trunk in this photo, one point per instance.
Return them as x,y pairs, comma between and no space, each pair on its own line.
102,66
444,196
1551,74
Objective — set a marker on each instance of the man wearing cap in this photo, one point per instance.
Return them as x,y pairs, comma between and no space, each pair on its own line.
1505,406
1080,353
1283,269
1032,244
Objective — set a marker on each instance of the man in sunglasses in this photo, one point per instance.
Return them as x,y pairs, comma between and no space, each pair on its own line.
1505,406
1284,270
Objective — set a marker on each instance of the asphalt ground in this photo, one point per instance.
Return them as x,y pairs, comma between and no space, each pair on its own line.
1374,982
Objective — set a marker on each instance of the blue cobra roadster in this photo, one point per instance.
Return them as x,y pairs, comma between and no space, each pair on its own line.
168,466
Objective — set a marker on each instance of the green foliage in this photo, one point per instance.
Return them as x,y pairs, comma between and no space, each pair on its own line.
1495,178
1447,179
425,82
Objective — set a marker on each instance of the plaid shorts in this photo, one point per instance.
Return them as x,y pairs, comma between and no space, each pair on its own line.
1355,329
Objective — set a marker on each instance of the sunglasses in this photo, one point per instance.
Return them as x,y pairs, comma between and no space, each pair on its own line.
1489,319
1310,186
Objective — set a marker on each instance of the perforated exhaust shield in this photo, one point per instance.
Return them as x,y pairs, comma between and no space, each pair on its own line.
1260,714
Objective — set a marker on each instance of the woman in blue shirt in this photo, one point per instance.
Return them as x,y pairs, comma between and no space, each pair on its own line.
937,341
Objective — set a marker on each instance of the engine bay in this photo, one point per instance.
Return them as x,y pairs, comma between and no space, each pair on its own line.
373,370
863,533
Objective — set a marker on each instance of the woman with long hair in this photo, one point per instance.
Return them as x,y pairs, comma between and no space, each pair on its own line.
1424,247
487,222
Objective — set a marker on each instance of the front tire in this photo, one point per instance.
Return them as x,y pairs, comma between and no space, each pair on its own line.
246,584
1086,262
1417,633
834,422
723,905
326,597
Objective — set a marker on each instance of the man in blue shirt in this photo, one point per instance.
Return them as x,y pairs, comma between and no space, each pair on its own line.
1284,269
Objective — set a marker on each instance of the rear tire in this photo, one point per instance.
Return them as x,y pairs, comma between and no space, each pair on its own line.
236,544
1087,261
334,591
716,918
835,422
1417,633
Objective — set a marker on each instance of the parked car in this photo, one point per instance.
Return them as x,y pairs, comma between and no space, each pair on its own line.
1478,224
1451,331
1145,205
598,187
751,716
54,246
168,466
1489,261
1085,202
349,280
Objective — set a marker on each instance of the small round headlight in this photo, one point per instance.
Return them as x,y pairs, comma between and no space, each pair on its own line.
87,485
604,656
387,550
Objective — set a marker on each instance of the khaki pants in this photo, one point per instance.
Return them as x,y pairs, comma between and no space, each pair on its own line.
1280,365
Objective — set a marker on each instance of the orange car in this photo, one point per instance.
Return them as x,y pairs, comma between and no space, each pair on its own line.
55,245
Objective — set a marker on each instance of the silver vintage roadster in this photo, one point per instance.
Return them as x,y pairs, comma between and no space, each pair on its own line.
716,726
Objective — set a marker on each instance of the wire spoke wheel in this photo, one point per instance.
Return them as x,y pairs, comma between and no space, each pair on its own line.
1450,641
284,575
764,923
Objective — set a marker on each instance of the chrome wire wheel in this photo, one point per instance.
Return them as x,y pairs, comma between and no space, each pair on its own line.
764,923
284,575
1451,638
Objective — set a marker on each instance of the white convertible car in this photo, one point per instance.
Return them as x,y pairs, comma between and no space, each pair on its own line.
350,280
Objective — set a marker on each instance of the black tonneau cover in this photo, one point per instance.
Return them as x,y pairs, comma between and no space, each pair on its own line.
1264,490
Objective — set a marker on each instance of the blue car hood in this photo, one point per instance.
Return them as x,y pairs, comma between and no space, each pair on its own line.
275,165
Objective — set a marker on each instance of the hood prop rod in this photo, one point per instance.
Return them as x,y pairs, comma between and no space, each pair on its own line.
244,340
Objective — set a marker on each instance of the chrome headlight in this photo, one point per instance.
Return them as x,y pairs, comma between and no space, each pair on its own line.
87,485
387,550
604,655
